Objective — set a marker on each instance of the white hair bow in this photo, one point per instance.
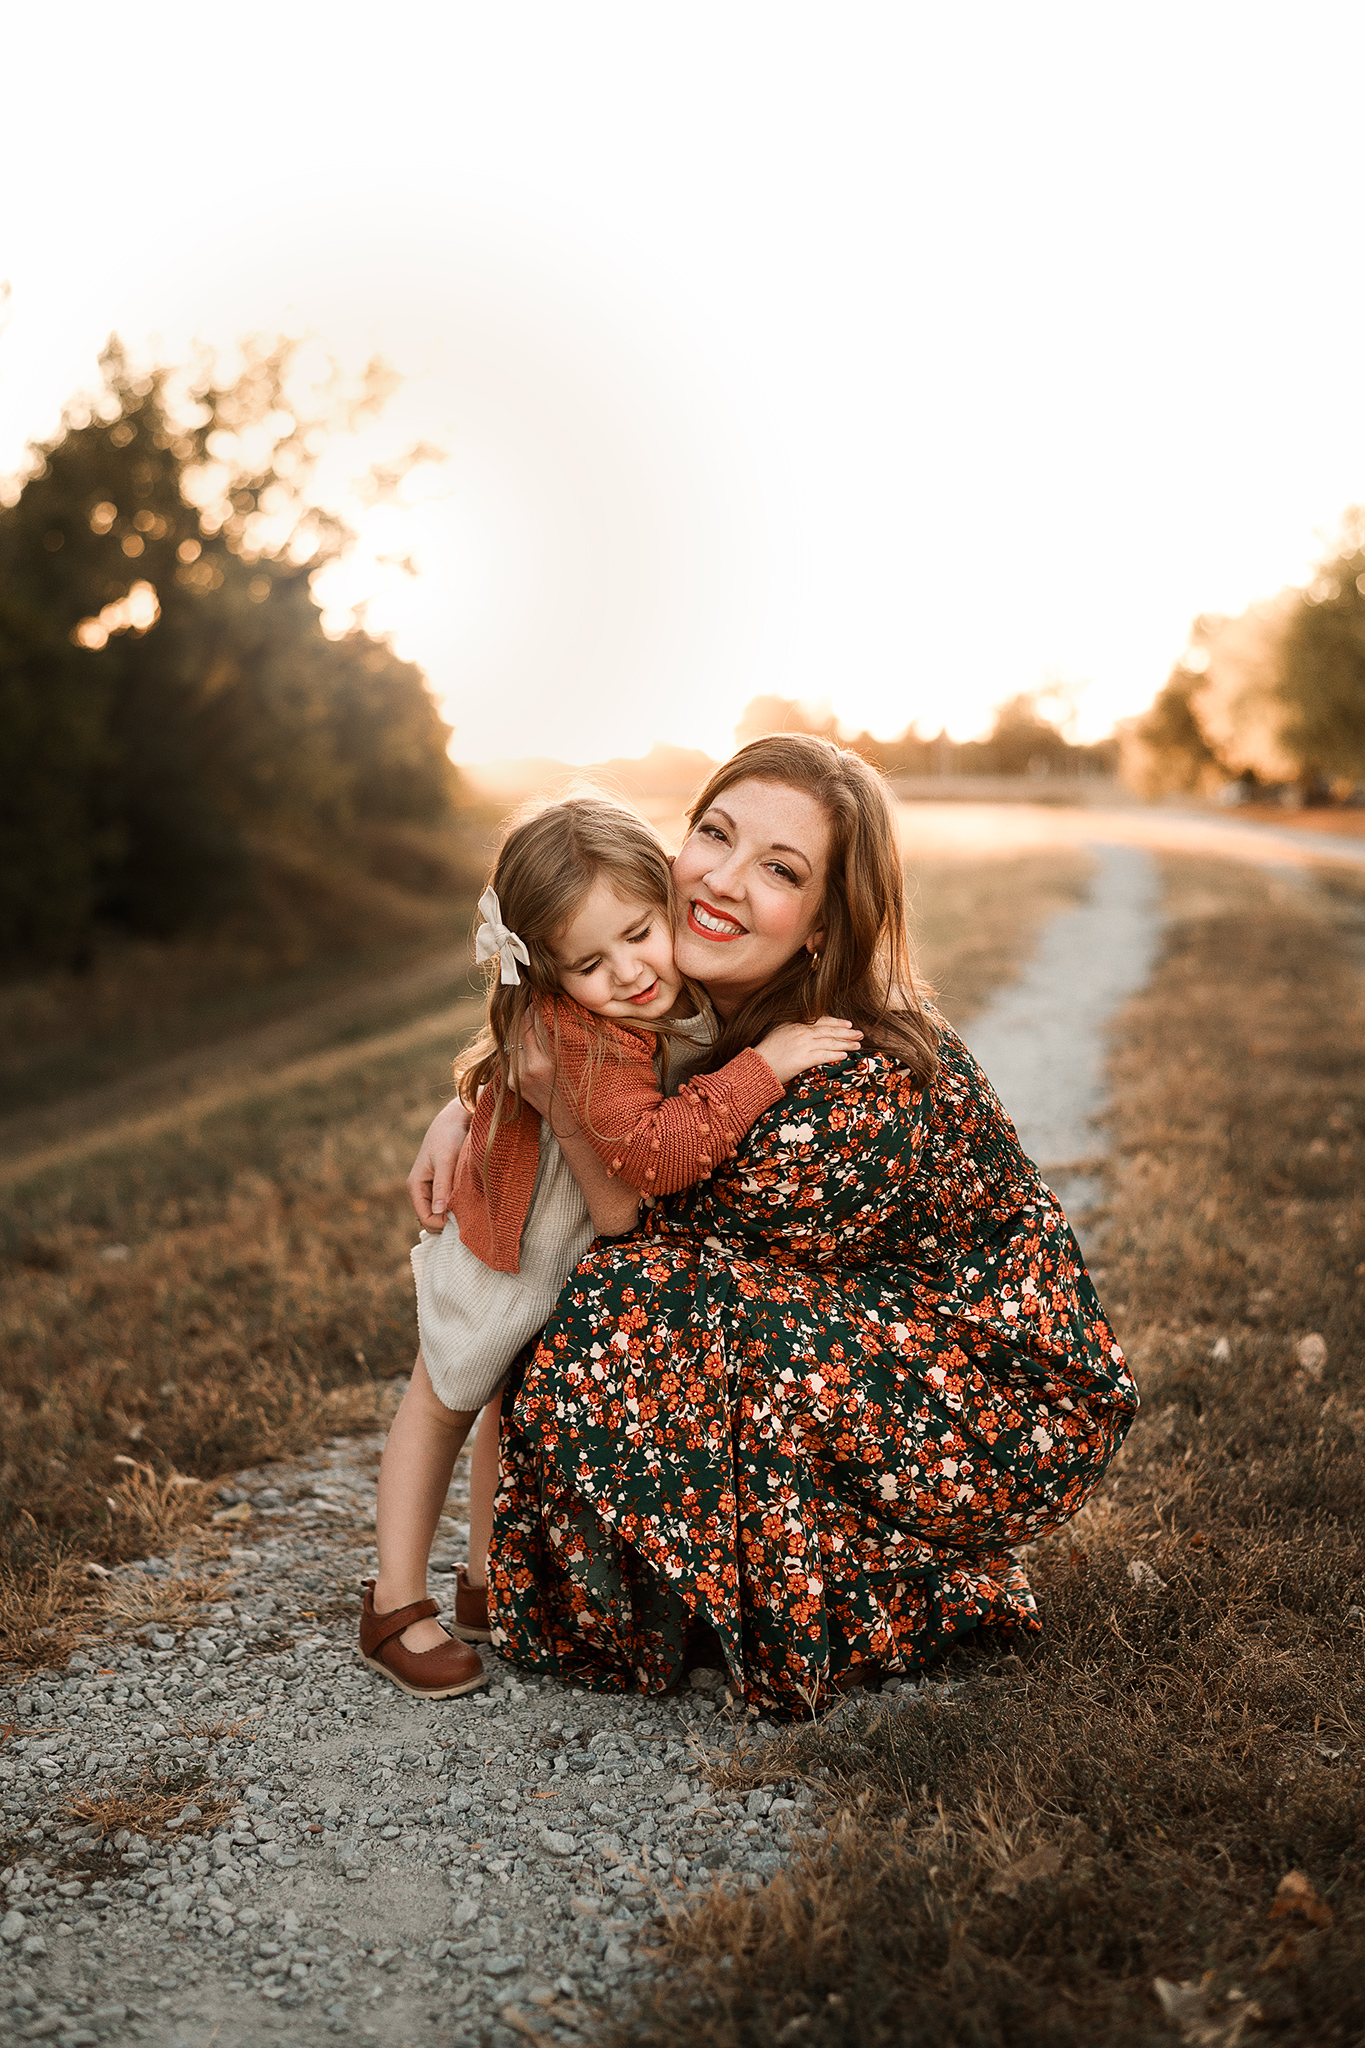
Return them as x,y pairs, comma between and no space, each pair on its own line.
493,937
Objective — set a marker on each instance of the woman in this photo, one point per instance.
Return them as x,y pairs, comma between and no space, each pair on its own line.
814,1402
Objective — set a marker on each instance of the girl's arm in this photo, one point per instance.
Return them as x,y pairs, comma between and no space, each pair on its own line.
657,1144
613,1206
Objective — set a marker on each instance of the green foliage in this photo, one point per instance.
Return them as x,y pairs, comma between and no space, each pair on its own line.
1322,676
166,689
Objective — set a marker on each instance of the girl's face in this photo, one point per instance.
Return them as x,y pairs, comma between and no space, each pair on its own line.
615,957
748,885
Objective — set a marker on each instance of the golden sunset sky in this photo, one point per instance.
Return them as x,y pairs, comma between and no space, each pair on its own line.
897,355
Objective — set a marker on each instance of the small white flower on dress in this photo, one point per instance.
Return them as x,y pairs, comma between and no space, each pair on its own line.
1041,1437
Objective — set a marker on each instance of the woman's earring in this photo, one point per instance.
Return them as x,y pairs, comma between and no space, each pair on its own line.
814,962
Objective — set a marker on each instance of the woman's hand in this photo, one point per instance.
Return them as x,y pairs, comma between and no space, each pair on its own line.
433,1170
790,1048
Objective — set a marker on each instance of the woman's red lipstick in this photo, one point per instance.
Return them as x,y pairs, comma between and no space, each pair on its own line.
703,931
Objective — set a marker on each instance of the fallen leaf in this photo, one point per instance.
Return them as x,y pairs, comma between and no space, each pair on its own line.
241,1513
1284,1954
1146,1581
1311,1352
1296,1894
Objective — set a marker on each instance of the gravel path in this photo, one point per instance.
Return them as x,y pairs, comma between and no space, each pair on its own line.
1043,1039
341,1860
392,1871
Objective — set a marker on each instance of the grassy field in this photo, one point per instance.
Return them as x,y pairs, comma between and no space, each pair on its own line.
222,1277
1149,1825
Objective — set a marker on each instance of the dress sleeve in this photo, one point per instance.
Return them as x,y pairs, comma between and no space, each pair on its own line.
824,1175
659,1144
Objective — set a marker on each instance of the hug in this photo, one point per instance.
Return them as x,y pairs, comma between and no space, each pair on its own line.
783,1346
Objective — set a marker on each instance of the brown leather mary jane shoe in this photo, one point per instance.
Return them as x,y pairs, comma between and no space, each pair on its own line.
437,1674
471,1610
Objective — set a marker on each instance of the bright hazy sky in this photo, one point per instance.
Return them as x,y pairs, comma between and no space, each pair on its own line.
899,355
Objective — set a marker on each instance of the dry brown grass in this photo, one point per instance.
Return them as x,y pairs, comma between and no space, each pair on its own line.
39,1599
149,1804
1151,1824
221,1730
136,1600
315,929
261,1303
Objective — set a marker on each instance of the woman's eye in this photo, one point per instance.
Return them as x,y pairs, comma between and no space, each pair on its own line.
785,872
711,832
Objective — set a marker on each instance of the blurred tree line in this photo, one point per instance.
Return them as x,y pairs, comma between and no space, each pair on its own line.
1274,698
167,693
1022,741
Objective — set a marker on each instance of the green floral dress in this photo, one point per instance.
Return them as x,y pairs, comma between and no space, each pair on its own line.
814,1403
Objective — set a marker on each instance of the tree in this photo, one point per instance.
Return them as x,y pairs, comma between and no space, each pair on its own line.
1322,663
166,689
1166,751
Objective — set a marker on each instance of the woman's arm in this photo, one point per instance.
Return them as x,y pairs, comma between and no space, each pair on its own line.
830,1169
433,1170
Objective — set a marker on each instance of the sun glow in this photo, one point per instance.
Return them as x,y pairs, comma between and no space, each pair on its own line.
905,362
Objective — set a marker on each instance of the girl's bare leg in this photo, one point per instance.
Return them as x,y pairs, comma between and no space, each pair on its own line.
483,1485
414,1478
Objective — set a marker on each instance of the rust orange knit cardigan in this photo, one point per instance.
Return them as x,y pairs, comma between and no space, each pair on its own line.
655,1143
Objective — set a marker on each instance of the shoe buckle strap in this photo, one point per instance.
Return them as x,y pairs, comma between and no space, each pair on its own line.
387,1626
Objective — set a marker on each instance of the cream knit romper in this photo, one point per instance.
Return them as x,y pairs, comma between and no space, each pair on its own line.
471,1320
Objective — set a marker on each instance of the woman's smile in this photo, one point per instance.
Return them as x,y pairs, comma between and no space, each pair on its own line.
712,923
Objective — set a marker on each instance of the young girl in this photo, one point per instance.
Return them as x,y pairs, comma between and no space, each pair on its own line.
581,899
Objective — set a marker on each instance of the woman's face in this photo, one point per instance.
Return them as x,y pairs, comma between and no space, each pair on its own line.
749,885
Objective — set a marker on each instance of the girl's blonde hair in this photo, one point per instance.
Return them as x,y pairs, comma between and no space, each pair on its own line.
550,859
864,970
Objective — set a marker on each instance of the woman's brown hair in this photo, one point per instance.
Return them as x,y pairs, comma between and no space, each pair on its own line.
863,971
550,859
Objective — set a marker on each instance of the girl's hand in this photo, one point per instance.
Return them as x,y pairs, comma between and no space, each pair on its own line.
535,1065
433,1170
536,1074
790,1048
